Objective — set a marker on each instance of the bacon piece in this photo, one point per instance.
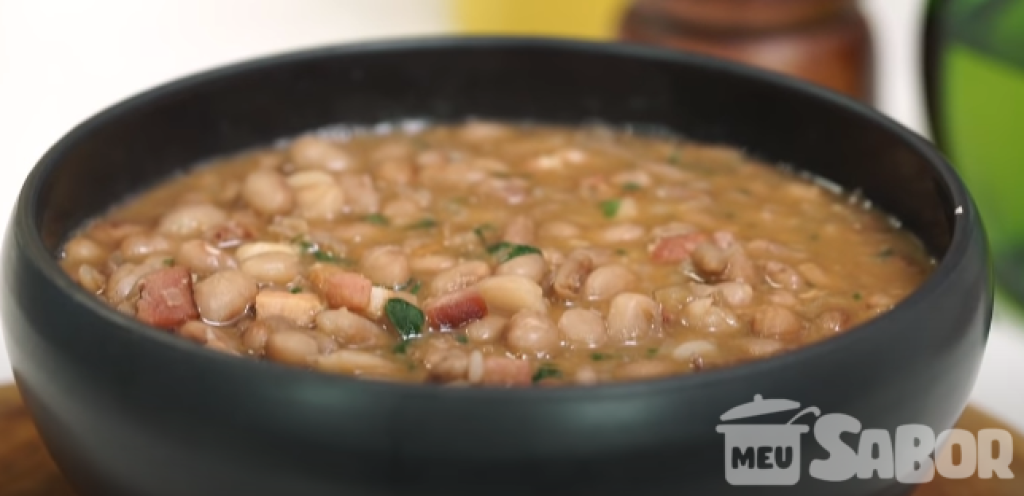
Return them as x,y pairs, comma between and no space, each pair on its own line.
166,298
342,289
456,309
505,371
675,249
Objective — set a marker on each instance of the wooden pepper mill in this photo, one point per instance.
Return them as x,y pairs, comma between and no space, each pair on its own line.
827,42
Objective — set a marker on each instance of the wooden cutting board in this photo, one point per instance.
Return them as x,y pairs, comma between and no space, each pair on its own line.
26,469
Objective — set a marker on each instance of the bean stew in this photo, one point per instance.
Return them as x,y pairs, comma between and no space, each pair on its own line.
497,254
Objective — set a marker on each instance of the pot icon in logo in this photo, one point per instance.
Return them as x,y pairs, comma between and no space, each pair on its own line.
763,454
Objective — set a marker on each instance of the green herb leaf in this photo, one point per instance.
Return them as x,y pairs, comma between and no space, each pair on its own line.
427,223
378,219
407,319
631,187
547,371
652,352
415,289
598,357
322,256
399,349
857,296
610,208
620,251
481,232
168,262
462,339
886,253
507,251
295,290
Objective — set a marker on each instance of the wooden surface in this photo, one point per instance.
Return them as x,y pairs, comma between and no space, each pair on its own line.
26,469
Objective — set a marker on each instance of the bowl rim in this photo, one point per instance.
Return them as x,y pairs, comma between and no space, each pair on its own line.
966,222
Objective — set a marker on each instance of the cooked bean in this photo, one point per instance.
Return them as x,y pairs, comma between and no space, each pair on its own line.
317,195
211,337
395,172
520,230
360,363
84,250
351,329
633,316
458,277
621,233
645,369
255,334
202,258
505,371
510,294
776,321
123,281
431,264
688,350
583,327
570,276
448,365
225,296
483,131
475,367
605,282
361,196
709,260
111,232
532,333
833,320
313,152
250,250
783,298
91,279
486,330
272,268
586,376
815,275
762,347
386,265
783,276
292,347
530,266
705,315
300,309
736,294
191,220
267,192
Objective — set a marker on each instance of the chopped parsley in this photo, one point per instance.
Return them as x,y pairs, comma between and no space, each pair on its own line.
377,219
318,254
621,251
426,223
462,339
547,371
295,290
599,357
414,288
631,187
407,319
610,208
168,262
885,253
507,251
652,352
481,232
399,349
857,296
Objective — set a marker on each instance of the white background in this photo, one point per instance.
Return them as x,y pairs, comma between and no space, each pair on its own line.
61,61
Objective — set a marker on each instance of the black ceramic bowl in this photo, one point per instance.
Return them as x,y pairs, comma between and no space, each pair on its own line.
129,411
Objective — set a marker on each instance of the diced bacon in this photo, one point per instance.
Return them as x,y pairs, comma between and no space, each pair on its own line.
166,298
675,249
456,309
505,371
341,288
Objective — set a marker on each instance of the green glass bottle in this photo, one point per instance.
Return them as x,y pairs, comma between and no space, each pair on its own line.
974,75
